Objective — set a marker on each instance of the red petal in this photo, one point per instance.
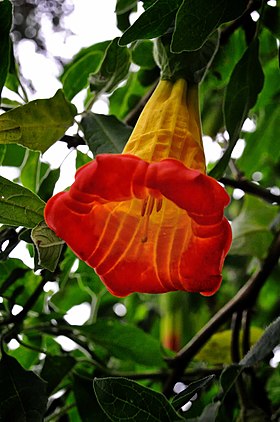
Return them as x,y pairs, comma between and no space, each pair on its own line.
100,219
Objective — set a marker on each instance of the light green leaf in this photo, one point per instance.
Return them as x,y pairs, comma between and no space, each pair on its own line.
153,23
48,246
19,206
5,26
76,73
22,393
114,68
38,124
122,399
104,134
30,171
251,234
124,341
196,20
242,92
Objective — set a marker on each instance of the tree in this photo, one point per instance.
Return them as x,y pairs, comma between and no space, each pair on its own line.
145,356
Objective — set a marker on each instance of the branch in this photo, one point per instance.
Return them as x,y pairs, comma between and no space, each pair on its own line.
252,188
244,299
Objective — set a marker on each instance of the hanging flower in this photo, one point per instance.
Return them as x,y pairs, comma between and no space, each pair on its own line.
150,220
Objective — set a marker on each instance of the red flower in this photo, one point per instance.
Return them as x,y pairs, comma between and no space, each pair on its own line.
149,220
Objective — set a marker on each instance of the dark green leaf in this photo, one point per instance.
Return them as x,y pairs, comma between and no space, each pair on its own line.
271,19
182,398
76,73
55,368
123,6
22,393
104,133
251,234
19,206
113,69
2,153
122,399
241,95
87,404
48,183
48,246
209,413
5,26
269,340
153,23
14,155
124,341
38,124
197,19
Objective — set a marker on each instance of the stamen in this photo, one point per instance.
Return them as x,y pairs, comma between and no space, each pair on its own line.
159,204
144,206
147,210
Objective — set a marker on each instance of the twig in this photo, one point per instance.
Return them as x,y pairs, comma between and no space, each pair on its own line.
253,188
244,299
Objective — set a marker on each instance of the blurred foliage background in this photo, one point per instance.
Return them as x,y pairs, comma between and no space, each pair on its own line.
114,363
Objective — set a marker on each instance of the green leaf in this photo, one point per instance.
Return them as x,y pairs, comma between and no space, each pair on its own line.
19,206
196,20
22,393
123,99
261,150
2,153
123,399
30,172
104,133
182,398
71,294
48,183
76,73
14,155
123,6
113,69
87,404
242,92
124,341
38,124
5,26
251,234
217,350
269,340
56,368
27,357
48,246
153,23
142,54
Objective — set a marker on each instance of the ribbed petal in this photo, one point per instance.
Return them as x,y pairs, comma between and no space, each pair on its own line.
180,247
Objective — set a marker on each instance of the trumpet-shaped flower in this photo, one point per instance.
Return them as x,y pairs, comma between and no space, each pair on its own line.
150,220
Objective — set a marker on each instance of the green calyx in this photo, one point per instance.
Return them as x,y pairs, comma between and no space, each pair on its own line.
189,65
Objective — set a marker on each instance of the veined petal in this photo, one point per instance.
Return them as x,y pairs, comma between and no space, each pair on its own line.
187,239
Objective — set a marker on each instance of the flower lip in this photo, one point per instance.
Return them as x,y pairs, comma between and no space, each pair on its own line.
100,219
